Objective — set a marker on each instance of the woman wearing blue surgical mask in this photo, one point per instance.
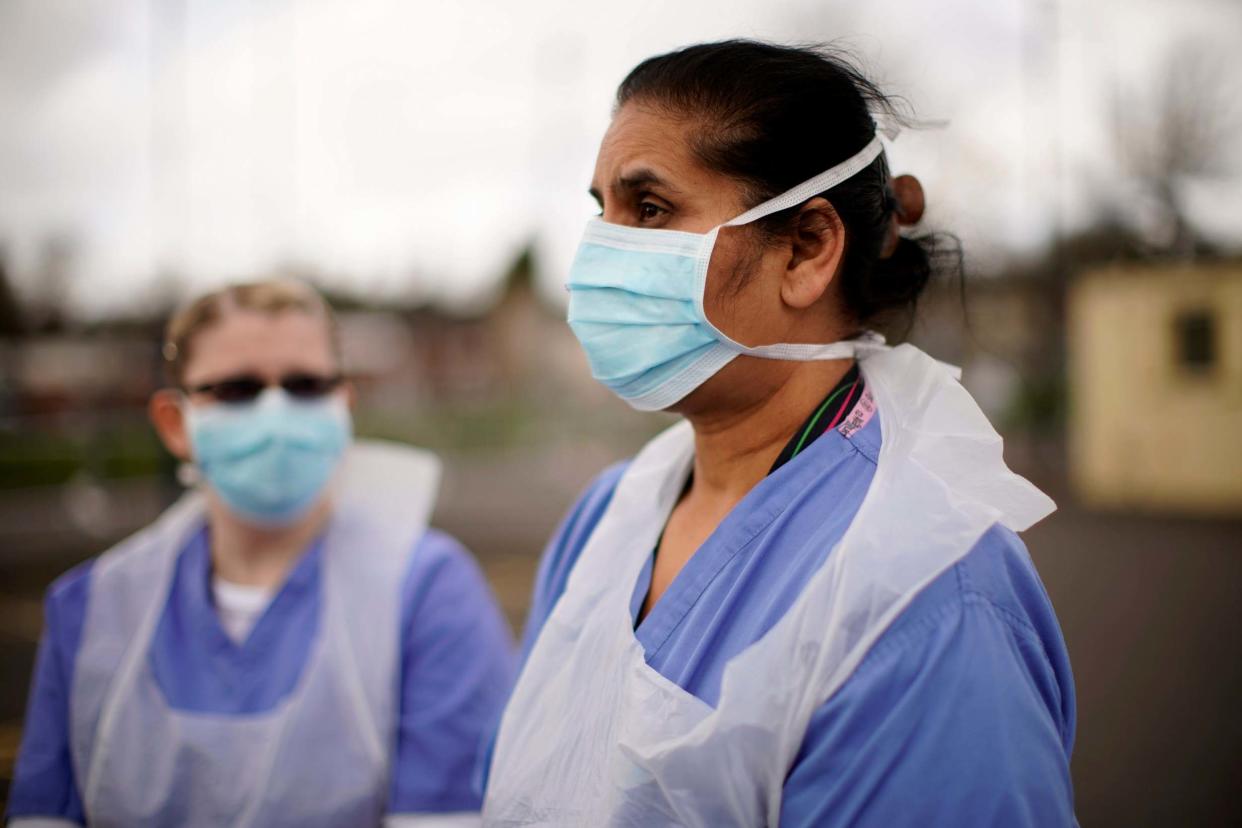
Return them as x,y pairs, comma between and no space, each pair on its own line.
289,644
806,603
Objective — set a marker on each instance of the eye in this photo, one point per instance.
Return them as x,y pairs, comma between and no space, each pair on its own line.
235,390
310,386
649,211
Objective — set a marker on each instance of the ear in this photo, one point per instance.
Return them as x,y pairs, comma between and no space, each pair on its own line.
817,248
167,416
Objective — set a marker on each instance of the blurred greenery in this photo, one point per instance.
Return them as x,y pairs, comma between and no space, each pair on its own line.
1039,406
495,425
130,449
44,458
463,428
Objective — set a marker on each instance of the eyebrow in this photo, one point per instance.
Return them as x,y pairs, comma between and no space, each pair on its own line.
637,179
644,177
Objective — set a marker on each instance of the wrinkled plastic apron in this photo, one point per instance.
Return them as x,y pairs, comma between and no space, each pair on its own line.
321,756
593,736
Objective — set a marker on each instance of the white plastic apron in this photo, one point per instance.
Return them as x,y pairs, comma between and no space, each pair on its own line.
321,756
593,736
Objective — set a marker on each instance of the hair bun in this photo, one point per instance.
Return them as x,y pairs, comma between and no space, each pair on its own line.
908,193
896,281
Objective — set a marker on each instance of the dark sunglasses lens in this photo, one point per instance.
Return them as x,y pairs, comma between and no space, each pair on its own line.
237,390
309,386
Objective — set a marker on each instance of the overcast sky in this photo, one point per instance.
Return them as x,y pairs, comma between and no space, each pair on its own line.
414,148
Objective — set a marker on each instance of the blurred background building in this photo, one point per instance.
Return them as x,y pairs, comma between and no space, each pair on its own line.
427,166
1184,372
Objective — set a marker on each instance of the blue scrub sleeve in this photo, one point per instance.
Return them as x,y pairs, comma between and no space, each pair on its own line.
457,668
43,780
955,720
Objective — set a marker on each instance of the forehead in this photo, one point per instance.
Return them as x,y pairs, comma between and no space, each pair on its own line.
269,344
644,139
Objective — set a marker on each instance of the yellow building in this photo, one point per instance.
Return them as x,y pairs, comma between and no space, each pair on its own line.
1156,387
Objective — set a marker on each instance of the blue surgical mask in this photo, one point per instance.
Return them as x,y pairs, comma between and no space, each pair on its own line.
636,303
270,460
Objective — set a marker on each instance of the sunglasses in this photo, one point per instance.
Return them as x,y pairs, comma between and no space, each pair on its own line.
245,388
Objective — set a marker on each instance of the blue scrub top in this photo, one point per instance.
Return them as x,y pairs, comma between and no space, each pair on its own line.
456,671
961,714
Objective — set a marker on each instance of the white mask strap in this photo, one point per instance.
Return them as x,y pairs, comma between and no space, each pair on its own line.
824,181
885,124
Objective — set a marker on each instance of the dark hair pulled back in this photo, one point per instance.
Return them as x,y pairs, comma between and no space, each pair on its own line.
774,116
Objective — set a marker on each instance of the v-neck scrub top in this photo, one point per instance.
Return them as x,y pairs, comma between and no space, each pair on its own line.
962,713
456,670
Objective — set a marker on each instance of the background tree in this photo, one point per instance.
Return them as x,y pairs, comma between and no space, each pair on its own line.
1176,127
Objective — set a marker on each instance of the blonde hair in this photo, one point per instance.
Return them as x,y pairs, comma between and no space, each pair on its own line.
271,296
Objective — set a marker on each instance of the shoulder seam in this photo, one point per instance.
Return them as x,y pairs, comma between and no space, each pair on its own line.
1011,618
971,594
968,597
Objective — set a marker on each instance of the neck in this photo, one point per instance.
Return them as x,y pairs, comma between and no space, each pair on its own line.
734,448
259,556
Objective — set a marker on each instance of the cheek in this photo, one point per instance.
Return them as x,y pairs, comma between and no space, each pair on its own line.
742,297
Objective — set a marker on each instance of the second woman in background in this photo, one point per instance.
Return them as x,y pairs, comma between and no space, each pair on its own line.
288,645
